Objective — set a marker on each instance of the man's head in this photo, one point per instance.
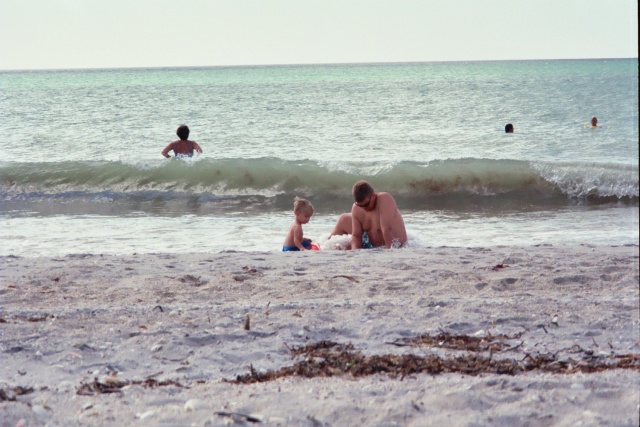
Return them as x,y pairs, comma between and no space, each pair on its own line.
183,132
594,122
508,128
361,191
364,195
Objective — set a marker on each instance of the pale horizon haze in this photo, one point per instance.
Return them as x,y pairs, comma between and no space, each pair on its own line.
73,34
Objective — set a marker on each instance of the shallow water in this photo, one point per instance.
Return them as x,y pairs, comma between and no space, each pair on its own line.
87,175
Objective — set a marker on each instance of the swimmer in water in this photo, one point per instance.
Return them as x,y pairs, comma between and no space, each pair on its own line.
182,147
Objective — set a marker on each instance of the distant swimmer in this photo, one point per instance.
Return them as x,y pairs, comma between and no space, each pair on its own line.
508,128
594,122
374,221
183,147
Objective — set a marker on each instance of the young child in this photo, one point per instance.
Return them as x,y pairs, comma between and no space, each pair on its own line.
303,209
183,147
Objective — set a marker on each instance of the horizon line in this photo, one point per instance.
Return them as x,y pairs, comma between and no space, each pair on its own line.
302,64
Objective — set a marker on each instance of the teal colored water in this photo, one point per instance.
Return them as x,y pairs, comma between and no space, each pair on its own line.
82,170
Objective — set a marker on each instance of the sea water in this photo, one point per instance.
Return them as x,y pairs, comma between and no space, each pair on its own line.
81,170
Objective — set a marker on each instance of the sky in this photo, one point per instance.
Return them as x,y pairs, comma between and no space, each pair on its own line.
69,34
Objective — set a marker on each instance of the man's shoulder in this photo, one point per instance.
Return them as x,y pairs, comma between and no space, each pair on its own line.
386,197
358,214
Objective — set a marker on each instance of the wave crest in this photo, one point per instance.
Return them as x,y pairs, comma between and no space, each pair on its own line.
270,177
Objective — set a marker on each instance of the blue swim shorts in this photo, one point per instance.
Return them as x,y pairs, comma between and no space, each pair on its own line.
305,244
366,244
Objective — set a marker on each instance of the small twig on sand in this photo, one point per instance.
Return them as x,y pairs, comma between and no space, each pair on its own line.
238,417
353,279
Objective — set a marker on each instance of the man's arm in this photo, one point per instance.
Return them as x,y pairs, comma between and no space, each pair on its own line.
197,147
356,231
387,209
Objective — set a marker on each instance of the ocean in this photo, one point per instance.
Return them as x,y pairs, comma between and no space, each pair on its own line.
81,170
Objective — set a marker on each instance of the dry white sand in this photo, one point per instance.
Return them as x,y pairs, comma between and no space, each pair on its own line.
76,327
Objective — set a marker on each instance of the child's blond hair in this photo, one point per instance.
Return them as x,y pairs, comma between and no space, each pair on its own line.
302,205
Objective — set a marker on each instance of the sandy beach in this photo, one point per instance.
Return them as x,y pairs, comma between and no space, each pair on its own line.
537,336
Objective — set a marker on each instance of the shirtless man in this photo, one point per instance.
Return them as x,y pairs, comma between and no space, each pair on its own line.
375,214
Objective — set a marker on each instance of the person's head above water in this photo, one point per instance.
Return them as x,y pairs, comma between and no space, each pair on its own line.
594,122
361,191
508,128
183,132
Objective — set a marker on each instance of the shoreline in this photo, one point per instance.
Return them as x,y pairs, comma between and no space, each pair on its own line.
166,333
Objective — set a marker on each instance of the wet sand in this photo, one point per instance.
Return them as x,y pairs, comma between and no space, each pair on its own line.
480,336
